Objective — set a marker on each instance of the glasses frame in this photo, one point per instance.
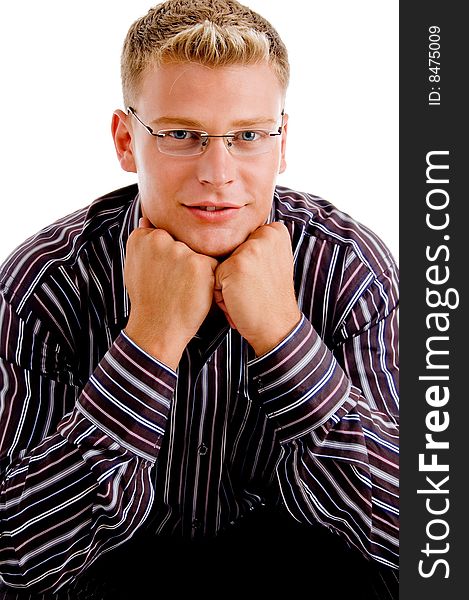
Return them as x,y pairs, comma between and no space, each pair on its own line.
161,133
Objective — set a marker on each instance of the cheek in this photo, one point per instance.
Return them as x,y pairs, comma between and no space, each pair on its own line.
271,168
160,180
266,178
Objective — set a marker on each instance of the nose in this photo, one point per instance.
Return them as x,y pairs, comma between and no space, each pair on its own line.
216,166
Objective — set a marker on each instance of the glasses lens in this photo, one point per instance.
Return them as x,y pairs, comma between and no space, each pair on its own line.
186,142
180,142
251,142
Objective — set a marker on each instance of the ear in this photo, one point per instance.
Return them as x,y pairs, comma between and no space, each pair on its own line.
122,135
283,162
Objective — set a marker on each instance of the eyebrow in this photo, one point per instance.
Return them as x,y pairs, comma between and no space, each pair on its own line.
190,123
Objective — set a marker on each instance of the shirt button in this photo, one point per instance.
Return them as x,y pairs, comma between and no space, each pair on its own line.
260,383
195,524
202,449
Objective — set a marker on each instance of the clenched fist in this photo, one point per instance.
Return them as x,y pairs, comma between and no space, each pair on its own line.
254,287
171,290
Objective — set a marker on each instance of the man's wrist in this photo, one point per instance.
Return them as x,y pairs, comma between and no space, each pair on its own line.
274,334
167,352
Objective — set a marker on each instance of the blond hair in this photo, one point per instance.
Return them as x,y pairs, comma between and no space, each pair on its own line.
214,33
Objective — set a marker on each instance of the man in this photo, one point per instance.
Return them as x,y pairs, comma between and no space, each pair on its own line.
203,365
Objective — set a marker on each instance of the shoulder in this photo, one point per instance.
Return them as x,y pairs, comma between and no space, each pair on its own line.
62,243
312,218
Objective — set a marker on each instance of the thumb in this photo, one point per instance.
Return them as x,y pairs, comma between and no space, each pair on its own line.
214,265
219,276
218,296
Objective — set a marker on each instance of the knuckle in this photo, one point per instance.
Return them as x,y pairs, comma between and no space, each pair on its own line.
281,234
179,250
280,228
160,235
195,262
201,263
134,239
179,247
240,262
255,246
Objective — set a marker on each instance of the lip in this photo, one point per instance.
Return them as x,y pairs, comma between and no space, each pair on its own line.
217,204
229,211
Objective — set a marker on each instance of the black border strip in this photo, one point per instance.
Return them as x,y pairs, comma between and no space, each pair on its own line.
433,254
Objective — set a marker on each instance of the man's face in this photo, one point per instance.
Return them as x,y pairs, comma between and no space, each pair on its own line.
192,96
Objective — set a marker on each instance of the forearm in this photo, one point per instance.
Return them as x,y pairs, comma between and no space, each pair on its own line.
339,462
57,515
347,480
86,488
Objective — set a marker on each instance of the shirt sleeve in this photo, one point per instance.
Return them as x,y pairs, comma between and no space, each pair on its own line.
73,487
335,414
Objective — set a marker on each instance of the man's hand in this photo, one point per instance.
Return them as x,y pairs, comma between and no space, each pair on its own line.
170,289
254,288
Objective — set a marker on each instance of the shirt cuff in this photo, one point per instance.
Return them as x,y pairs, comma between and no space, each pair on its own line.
300,384
128,397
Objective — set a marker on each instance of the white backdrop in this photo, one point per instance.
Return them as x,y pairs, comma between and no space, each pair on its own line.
60,84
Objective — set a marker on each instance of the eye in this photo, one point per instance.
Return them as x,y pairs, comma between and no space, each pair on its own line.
248,136
181,134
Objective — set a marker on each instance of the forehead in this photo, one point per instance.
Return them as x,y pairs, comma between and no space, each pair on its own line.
210,94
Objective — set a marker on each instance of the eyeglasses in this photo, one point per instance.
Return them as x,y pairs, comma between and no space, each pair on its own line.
192,142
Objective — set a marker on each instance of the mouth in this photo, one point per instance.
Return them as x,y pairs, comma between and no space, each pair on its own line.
213,213
210,208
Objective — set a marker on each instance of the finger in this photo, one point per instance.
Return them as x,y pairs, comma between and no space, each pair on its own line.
267,229
145,223
278,226
222,306
218,297
218,277
214,264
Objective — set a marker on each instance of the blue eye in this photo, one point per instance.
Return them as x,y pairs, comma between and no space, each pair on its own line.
179,134
248,136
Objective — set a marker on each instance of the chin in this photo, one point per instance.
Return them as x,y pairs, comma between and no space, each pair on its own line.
216,250
218,253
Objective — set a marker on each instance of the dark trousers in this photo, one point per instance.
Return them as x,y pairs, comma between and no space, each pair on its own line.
266,555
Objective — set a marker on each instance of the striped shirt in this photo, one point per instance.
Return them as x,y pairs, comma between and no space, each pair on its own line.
98,439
